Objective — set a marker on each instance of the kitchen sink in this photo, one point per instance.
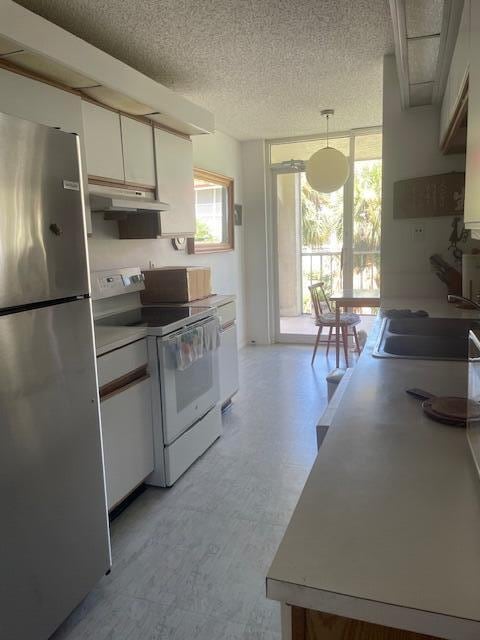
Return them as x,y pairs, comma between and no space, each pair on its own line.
425,338
445,327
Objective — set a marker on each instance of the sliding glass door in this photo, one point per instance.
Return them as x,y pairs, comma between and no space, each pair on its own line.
332,238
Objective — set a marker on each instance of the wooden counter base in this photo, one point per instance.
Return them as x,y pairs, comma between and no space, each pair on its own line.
315,625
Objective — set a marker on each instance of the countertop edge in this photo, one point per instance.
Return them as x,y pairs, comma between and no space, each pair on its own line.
355,605
215,300
382,613
102,349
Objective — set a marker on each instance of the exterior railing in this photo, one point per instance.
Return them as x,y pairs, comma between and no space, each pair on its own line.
326,266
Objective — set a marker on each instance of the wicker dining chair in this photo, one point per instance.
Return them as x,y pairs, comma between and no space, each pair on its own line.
325,317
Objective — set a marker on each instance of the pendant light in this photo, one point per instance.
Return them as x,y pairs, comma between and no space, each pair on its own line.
328,169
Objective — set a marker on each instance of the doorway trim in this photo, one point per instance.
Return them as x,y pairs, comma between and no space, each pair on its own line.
274,172
271,173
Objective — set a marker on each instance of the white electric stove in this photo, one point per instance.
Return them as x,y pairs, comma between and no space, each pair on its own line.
183,364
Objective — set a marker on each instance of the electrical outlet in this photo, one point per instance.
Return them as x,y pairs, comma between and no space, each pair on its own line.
152,265
418,232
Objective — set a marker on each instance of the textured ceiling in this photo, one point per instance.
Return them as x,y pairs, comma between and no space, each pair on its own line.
264,67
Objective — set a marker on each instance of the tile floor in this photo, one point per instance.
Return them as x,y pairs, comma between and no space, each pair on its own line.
190,561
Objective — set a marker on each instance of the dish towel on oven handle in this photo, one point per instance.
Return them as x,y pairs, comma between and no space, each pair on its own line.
211,335
190,346
187,347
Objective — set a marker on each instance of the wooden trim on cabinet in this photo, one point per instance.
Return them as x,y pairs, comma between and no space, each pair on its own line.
108,182
111,182
175,235
308,624
10,66
175,132
142,119
155,125
299,623
125,387
123,382
87,98
207,248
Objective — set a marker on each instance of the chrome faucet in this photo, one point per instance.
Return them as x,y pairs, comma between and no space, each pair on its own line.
452,298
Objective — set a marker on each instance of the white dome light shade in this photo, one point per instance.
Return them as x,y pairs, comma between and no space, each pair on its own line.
327,170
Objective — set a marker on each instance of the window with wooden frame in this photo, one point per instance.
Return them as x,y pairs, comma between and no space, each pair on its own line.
213,213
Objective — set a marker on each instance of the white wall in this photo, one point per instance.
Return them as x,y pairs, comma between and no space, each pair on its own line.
256,242
288,222
411,149
217,152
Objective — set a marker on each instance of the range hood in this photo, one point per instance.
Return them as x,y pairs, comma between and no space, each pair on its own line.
119,202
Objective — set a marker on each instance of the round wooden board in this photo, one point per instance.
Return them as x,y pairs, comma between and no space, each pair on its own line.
456,407
440,417
452,409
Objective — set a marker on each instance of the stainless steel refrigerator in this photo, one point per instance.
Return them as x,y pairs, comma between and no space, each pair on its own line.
54,539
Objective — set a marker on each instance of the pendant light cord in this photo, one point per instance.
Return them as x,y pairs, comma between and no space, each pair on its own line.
328,117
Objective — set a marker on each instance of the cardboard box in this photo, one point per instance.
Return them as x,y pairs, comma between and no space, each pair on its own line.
176,284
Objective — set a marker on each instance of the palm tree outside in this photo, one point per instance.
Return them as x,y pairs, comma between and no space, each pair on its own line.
322,232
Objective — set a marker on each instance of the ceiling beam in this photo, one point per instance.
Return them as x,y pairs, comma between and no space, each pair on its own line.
397,11
33,33
452,12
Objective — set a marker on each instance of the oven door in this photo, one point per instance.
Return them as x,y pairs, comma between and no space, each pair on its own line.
186,394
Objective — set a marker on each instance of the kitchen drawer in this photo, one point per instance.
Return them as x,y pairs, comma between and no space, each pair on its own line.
180,455
116,364
127,432
227,313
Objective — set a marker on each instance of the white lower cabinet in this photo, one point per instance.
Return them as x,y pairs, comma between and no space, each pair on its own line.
126,416
228,363
127,440
180,455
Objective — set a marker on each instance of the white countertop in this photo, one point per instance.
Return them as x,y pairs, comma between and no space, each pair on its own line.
215,300
387,528
109,338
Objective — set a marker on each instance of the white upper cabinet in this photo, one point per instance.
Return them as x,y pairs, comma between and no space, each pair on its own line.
457,76
39,102
174,164
138,155
103,142
472,171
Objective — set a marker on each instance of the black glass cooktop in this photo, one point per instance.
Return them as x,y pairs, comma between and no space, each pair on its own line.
150,316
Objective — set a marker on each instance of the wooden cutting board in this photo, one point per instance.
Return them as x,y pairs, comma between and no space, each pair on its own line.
455,410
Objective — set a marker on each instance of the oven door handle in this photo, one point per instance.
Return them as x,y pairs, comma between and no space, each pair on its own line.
189,327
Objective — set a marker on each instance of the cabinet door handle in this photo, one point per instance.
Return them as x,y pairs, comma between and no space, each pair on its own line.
123,383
